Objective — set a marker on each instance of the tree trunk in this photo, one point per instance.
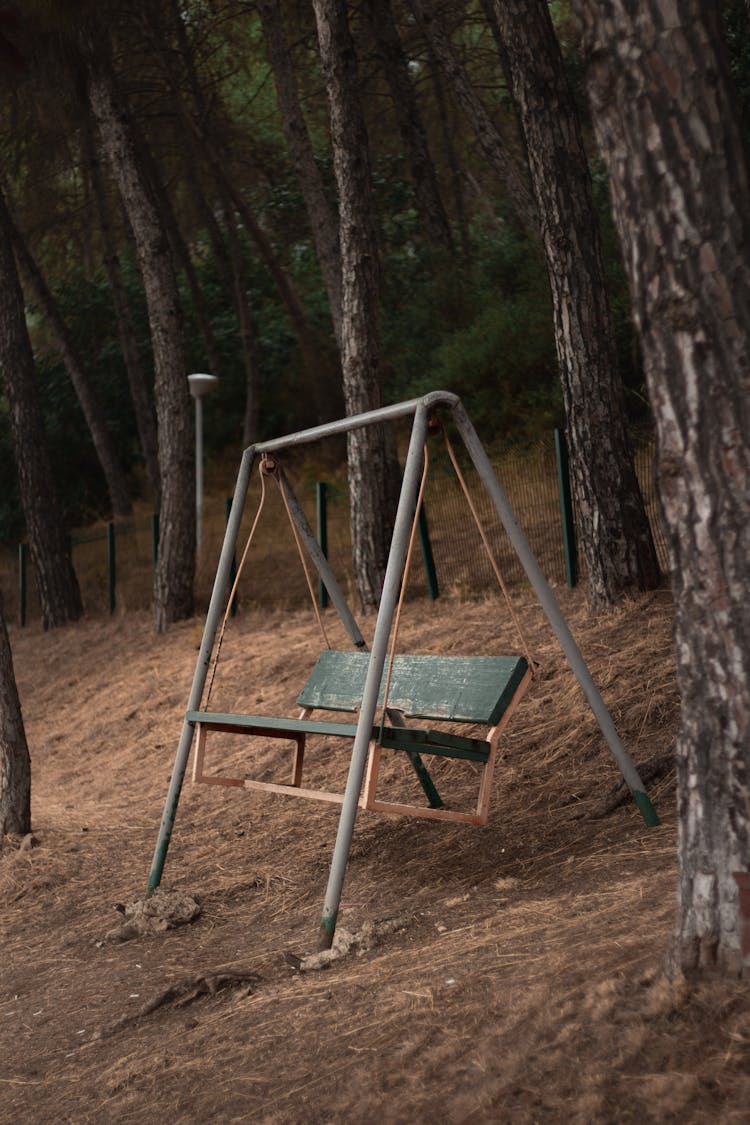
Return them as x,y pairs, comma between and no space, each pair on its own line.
413,136
208,139
49,544
666,121
181,254
248,334
15,764
180,251
451,157
229,256
144,418
231,265
88,400
307,336
173,580
497,151
616,537
370,468
323,218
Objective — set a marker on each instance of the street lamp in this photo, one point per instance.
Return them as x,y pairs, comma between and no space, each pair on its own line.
200,384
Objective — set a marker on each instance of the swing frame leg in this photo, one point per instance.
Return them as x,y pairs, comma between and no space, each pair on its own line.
201,668
389,597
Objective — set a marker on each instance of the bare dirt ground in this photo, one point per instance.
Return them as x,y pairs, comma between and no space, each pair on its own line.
521,980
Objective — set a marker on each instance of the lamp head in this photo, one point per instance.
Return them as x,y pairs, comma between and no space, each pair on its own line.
201,384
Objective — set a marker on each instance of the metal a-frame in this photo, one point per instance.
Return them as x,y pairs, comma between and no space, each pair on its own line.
420,409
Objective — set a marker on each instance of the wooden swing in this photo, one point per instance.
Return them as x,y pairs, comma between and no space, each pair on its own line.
425,688
468,690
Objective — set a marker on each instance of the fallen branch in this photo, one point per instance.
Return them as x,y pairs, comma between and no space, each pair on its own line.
184,992
651,770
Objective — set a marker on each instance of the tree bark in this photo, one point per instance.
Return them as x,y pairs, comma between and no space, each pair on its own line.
173,580
312,349
323,218
91,407
139,394
230,263
497,151
303,329
615,534
312,353
248,333
666,122
451,157
429,203
180,250
209,141
15,763
370,468
49,544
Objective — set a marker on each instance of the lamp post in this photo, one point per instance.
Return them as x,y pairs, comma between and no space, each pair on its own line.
200,384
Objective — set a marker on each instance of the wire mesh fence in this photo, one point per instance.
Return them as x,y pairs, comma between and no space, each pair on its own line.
273,576
529,478
645,468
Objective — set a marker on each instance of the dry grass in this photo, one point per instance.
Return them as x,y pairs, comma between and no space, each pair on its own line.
524,987
529,478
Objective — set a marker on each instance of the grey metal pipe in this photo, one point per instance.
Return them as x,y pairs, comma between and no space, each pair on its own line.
198,471
201,668
321,564
391,584
355,422
554,614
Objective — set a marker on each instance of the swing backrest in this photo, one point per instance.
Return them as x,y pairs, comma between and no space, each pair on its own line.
462,689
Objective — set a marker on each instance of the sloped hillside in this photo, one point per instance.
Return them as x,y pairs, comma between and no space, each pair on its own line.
510,973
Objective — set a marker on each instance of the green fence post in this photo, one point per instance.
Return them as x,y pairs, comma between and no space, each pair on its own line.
111,565
566,509
233,567
22,556
322,505
427,556
155,537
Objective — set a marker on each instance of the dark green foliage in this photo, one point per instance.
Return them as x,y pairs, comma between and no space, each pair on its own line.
481,328
737,35
483,331
277,355
86,308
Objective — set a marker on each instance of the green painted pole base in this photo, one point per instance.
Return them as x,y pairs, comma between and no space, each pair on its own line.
646,809
327,929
